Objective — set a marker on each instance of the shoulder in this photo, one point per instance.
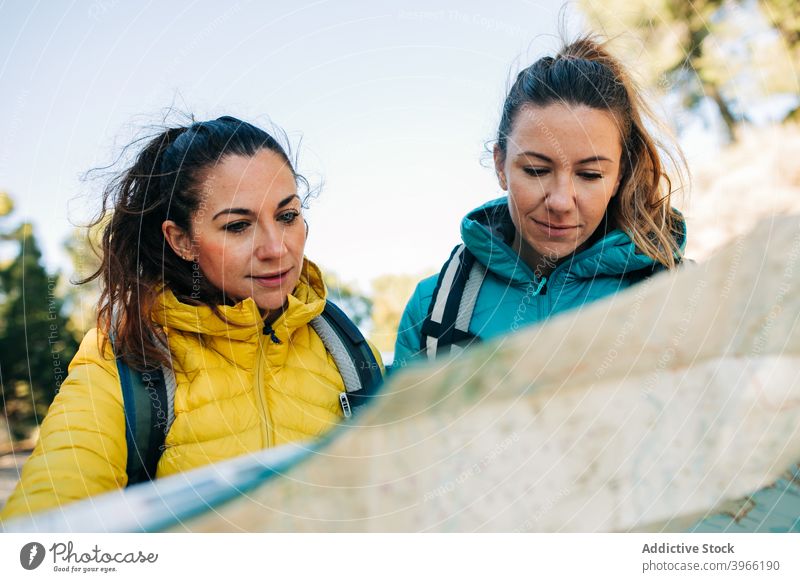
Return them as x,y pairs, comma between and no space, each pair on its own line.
377,355
95,350
425,288
81,449
92,373
92,377
423,294
348,331
417,306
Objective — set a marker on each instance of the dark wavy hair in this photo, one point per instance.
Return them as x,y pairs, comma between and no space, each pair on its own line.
583,72
163,183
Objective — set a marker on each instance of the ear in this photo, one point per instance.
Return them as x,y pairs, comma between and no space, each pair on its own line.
616,186
499,167
178,239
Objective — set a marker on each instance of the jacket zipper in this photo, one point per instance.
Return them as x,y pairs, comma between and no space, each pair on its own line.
581,255
544,311
266,426
537,297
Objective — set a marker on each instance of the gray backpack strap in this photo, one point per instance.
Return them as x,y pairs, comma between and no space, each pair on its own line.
168,371
360,371
439,300
446,326
335,347
170,385
468,300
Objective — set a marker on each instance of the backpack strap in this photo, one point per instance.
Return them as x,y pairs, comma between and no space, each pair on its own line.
149,403
149,396
360,371
452,304
144,396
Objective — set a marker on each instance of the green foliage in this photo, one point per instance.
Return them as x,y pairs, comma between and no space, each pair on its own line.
390,295
784,15
732,54
781,61
81,301
35,343
355,304
6,204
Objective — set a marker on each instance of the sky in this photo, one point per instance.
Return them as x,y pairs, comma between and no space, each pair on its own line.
391,105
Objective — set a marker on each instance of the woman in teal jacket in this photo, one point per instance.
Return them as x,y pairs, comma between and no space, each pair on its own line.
587,214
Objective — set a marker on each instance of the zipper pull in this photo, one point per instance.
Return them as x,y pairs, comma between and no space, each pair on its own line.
542,283
345,402
271,332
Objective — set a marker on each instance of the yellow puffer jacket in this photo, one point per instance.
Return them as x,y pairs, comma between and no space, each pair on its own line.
238,391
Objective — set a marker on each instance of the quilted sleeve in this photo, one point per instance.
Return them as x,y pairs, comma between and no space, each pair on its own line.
81,449
409,332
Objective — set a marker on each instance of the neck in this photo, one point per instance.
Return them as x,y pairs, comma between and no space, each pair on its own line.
541,265
271,315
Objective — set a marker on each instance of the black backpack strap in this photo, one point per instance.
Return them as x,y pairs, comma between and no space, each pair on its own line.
654,269
452,304
357,364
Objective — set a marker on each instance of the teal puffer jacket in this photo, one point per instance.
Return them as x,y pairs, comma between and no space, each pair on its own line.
512,296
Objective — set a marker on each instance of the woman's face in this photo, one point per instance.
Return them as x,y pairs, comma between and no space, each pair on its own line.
561,169
247,234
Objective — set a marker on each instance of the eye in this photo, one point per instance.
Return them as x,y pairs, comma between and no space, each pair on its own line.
536,172
591,175
238,226
288,217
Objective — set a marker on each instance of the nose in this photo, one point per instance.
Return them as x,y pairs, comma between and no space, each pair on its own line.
561,197
269,244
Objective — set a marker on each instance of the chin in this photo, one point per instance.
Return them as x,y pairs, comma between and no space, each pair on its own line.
553,253
271,304
556,250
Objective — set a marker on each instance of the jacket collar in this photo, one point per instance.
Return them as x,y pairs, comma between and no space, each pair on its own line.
488,233
244,320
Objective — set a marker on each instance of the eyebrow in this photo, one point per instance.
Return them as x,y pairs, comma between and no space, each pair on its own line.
286,200
549,160
248,212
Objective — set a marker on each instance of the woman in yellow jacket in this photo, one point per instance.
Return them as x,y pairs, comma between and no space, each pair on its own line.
204,272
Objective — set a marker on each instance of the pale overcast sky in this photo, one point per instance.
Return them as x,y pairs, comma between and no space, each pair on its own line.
393,104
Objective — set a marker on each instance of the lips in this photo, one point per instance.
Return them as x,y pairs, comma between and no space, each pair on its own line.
271,280
555,229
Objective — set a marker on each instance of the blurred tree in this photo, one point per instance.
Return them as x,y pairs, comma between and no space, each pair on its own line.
35,342
390,295
784,17
80,301
704,50
6,204
355,304
6,208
